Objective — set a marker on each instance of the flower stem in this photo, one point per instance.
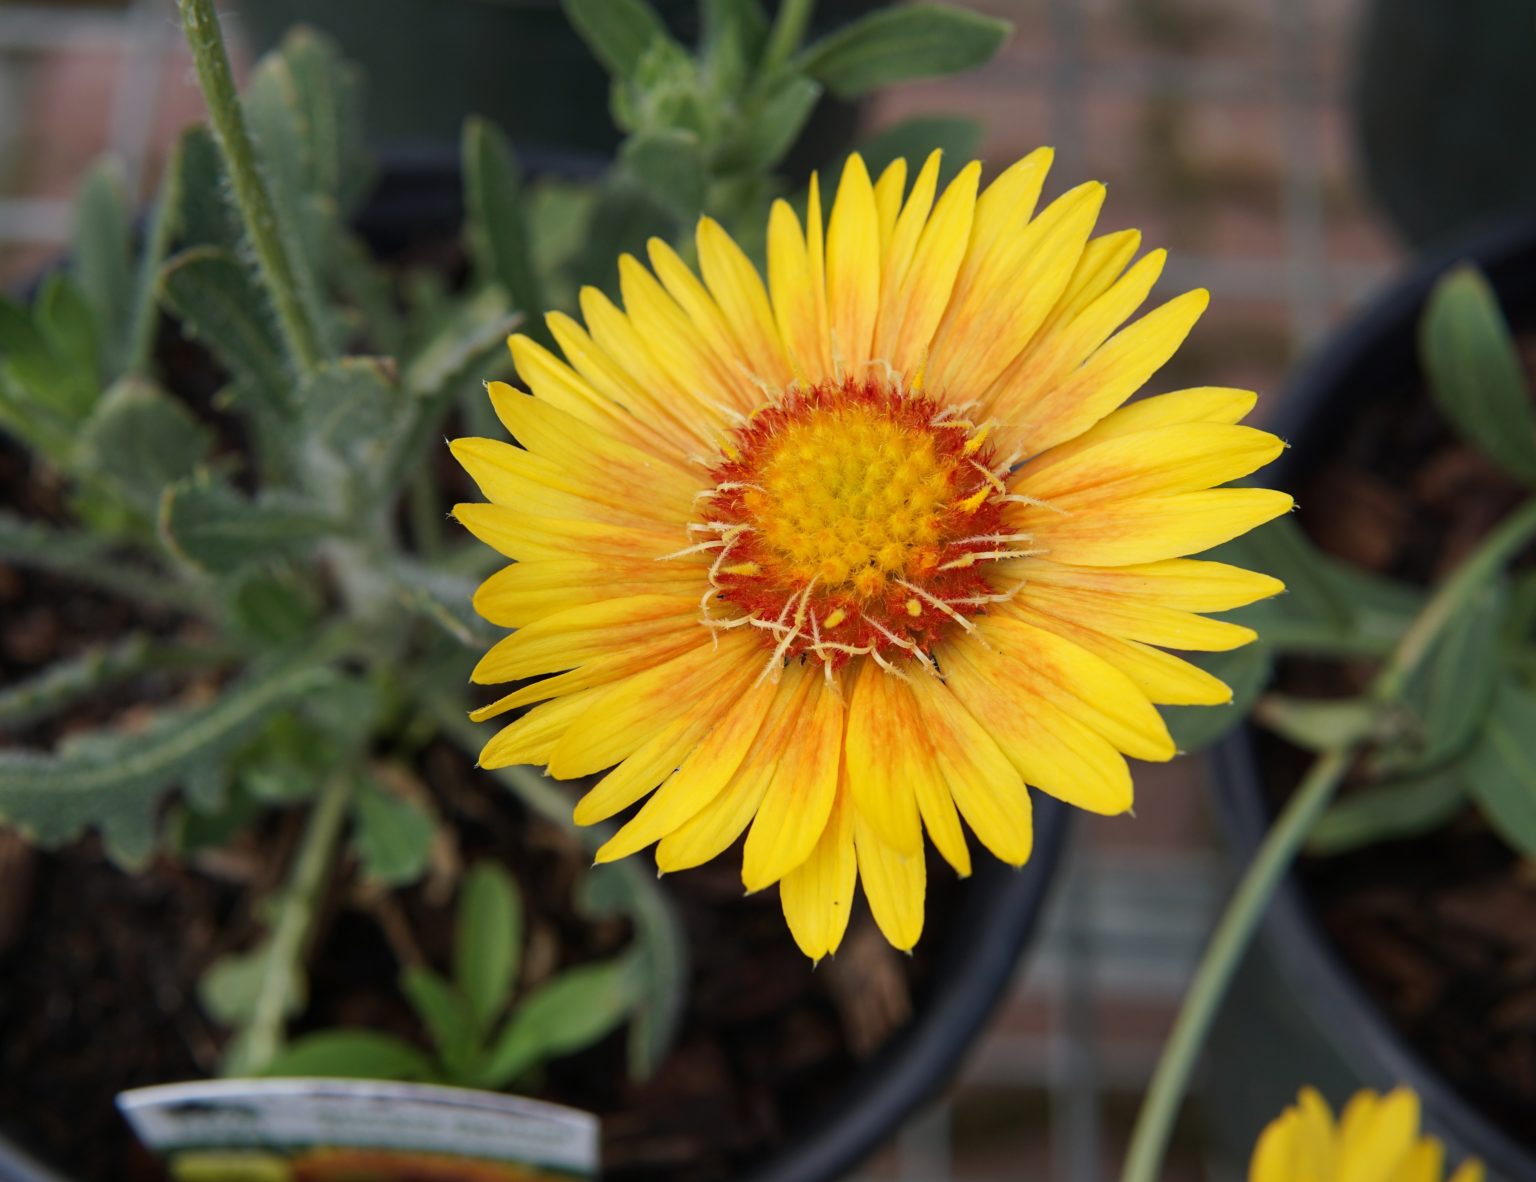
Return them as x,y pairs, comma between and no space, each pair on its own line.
206,41
789,25
1241,919
298,908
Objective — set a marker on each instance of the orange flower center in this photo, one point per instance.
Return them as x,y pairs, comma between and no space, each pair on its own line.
854,519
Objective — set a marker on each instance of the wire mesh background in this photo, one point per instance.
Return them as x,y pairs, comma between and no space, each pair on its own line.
1221,128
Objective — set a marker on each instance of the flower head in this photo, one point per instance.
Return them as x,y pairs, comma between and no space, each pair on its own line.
1376,1139
859,553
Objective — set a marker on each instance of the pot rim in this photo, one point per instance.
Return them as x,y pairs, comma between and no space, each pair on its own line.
1324,986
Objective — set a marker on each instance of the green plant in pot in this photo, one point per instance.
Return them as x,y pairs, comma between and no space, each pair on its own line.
1392,749
239,626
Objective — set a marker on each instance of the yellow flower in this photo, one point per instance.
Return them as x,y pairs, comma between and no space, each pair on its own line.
862,551
1375,1140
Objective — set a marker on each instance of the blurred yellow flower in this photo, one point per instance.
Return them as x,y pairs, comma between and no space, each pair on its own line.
1376,1139
860,552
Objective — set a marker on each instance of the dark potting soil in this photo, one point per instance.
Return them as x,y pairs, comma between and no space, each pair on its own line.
1441,929
98,968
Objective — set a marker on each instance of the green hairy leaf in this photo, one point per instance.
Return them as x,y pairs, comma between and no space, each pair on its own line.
902,43
207,218
488,941
141,440
669,162
218,302
1475,373
113,782
210,526
618,32
102,259
351,1054
772,131
496,222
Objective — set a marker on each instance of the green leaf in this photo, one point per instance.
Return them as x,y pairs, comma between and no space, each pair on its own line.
217,302
487,940
272,607
1501,770
447,1017
102,259
30,364
902,43
1388,812
1246,671
957,136
1455,688
771,130
567,1013
623,218
670,163
732,38
351,1054
470,334
207,216
230,988
141,440
1317,725
209,525
618,32
496,222
114,782
393,836
68,324
329,91
1475,373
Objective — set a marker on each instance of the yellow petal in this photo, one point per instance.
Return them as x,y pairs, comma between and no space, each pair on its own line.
853,266
702,311
1051,668
1167,460
1374,1146
1201,404
567,638
1135,618
990,320
645,767
894,884
525,536
1103,259
817,895
1165,679
1425,1162
1051,749
910,314
743,301
1153,528
880,757
530,739
713,828
625,715
987,788
794,810
518,594
1470,1170
1275,1156
799,296
1188,584
697,781
889,190
902,242
1112,374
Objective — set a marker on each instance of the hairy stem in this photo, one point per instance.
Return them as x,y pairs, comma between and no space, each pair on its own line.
298,909
1246,909
258,213
157,244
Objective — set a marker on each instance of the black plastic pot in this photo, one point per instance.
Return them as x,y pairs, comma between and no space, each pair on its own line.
978,946
1297,1015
